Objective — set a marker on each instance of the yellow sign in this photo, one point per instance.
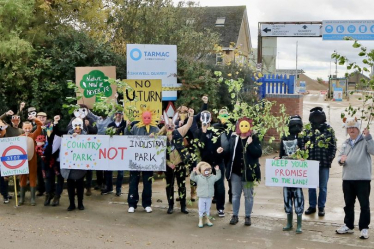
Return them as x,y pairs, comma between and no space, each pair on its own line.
146,93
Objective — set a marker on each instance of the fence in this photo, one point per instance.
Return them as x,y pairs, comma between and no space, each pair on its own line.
273,84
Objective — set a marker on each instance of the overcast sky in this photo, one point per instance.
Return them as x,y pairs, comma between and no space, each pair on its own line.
313,54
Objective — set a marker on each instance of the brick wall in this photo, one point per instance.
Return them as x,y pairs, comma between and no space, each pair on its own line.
293,104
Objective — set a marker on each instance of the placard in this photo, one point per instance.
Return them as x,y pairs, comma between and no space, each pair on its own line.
92,81
148,93
13,151
102,152
292,173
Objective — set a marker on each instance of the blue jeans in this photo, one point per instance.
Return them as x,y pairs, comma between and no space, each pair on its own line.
109,180
324,174
238,186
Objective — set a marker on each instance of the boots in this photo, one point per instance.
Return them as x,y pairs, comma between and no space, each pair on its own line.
56,201
288,227
170,209
183,206
201,222
299,221
21,196
88,192
193,193
207,221
33,193
48,198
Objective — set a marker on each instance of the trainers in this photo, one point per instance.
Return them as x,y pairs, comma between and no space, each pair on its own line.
105,192
247,221
234,220
364,234
310,211
6,200
148,209
221,213
131,210
344,229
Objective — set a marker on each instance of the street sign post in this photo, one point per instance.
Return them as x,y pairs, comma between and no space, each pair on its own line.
357,29
291,30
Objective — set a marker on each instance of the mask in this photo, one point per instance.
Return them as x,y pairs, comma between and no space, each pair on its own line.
81,113
295,125
170,123
244,127
205,118
31,111
32,114
77,125
317,117
147,117
15,121
183,116
207,172
40,140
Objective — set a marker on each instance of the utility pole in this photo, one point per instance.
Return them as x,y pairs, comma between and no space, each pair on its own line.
297,43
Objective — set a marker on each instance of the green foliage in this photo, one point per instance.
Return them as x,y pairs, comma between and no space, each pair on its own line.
365,111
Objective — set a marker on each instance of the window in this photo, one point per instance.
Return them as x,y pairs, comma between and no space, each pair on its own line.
190,21
220,22
219,58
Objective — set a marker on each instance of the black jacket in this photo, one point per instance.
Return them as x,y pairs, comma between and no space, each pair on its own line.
208,148
251,155
119,129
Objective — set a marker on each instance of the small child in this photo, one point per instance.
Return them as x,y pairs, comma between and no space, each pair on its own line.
205,180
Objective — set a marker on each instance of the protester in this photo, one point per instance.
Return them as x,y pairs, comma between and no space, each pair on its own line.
42,116
145,127
321,133
210,151
355,157
176,155
75,177
243,168
32,159
119,126
205,180
292,196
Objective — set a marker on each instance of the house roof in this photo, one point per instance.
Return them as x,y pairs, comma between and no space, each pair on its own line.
233,19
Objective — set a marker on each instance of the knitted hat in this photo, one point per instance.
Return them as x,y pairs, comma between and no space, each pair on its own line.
350,123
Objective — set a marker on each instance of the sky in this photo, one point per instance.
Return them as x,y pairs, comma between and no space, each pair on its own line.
314,54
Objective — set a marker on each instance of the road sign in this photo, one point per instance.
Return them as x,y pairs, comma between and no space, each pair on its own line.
291,30
357,29
13,156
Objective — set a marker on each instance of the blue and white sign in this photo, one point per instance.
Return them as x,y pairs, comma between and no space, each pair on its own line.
357,29
154,62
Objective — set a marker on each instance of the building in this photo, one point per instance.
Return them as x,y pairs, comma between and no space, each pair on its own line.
354,81
231,22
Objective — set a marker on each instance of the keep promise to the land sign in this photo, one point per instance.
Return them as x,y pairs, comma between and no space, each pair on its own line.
102,152
292,173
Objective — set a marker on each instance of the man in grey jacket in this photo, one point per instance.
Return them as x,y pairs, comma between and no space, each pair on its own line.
355,157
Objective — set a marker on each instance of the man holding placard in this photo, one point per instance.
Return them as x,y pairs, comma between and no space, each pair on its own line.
355,157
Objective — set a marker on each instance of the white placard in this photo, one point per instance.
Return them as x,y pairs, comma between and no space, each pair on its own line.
102,152
154,62
357,29
292,173
13,152
291,30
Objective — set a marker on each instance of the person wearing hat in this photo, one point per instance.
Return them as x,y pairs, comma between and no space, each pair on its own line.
42,116
320,141
355,157
292,196
119,126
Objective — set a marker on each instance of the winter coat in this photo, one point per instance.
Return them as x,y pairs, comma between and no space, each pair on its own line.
205,184
251,154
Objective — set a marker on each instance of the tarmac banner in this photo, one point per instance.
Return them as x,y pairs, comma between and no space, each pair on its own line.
292,173
13,153
102,152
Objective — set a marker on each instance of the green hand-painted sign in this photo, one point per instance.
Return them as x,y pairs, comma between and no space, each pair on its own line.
95,83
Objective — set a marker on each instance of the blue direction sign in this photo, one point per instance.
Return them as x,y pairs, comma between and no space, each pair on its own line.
339,29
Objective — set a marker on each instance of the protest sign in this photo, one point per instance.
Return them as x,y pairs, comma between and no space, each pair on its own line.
92,81
292,173
102,152
147,94
13,152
